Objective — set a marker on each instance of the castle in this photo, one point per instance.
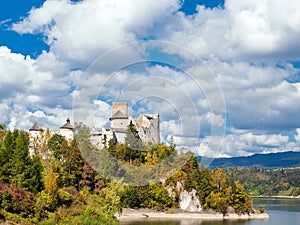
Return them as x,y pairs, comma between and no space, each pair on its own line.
147,126
38,136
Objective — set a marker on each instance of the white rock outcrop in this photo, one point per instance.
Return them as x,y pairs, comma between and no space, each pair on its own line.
189,201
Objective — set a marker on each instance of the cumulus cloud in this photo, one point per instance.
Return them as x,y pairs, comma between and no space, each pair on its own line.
253,30
81,32
244,46
26,90
297,136
258,96
244,143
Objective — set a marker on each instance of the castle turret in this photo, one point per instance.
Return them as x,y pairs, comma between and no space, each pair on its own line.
34,133
67,130
119,120
35,127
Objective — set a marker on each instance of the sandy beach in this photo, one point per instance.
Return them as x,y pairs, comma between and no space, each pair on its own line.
136,214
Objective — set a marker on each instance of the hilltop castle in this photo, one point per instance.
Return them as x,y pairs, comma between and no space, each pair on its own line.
147,126
38,136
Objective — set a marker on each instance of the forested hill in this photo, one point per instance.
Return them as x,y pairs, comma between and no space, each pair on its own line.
272,160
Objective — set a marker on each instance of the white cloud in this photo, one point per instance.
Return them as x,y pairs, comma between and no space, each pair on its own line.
244,143
26,90
242,45
297,136
248,29
83,31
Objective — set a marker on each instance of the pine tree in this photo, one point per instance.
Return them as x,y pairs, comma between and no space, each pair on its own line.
72,165
6,153
21,161
35,180
133,143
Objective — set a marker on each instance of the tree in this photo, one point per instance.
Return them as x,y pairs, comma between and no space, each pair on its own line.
6,154
219,179
21,162
35,180
205,185
51,178
242,203
133,143
191,168
2,126
54,145
72,164
217,201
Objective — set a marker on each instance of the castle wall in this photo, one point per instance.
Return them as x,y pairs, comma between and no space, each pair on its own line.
100,138
119,124
148,128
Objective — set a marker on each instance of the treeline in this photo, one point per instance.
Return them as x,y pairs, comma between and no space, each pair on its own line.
214,189
54,188
57,185
268,182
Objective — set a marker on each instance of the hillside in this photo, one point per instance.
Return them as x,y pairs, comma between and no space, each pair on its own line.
272,160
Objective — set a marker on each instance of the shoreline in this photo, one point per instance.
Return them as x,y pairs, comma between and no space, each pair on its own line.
275,196
147,214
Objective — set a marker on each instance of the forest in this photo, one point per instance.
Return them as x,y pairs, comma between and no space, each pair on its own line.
58,186
268,182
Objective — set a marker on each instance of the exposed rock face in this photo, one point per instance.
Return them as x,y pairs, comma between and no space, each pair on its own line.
189,201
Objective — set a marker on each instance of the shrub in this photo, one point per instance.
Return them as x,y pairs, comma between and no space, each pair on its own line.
16,200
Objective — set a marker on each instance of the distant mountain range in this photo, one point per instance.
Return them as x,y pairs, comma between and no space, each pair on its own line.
272,160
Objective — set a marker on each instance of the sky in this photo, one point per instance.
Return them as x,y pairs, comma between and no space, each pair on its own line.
223,75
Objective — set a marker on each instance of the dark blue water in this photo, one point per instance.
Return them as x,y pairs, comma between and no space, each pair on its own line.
281,212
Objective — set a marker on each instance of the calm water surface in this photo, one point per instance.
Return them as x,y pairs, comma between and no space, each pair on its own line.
281,211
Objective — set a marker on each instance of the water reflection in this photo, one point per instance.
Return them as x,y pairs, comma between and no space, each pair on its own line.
284,204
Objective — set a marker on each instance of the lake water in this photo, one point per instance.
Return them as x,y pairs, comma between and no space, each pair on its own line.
281,212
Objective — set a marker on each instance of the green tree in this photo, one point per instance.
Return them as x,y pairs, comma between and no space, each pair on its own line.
133,143
54,145
241,202
72,164
21,162
219,179
217,201
35,181
205,185
191,168
6,154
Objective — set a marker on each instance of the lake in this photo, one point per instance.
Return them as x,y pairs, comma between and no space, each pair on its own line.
281,212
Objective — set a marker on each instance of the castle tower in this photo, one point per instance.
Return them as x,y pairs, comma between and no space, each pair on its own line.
67,130
34,133
119,120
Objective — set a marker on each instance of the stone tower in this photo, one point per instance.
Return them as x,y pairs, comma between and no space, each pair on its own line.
119,120
147,125
67,130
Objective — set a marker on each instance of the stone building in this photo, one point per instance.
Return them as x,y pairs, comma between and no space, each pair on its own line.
39,137
147,126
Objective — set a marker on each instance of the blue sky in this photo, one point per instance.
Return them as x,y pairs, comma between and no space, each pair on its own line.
12,11
251,48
